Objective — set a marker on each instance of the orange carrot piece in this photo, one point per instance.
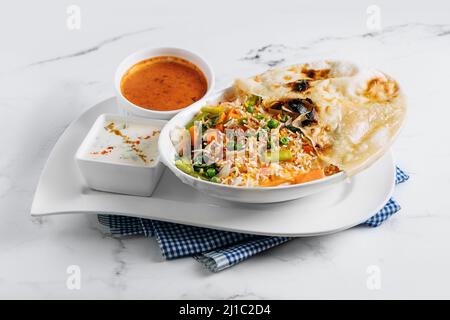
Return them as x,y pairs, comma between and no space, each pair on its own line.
274,182
233,113
308,149
191,133
309,176
211,136
222,118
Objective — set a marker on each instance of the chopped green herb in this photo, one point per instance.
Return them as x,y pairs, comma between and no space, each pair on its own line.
184,166
283,155
212,109
210,172
198,117
293,129
215,179
252,100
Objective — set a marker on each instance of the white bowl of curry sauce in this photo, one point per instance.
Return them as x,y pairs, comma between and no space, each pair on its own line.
159,82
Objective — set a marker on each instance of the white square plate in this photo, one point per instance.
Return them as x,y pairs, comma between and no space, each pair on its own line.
62,190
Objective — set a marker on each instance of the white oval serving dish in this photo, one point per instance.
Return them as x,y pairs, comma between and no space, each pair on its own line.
62,190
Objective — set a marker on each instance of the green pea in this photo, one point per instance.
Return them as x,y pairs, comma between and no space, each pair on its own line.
210,172
272,124
284,141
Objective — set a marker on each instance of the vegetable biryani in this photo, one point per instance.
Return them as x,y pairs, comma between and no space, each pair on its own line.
281,154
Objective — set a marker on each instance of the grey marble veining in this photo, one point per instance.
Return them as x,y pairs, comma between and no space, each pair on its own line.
92,49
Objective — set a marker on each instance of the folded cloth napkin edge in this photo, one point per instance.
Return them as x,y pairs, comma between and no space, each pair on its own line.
217,259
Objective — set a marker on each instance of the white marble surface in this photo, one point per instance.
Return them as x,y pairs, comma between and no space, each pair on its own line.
49,75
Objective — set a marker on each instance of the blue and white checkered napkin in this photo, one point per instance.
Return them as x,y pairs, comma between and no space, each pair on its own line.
215,249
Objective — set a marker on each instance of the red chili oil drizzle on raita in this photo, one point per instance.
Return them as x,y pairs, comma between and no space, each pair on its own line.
127,140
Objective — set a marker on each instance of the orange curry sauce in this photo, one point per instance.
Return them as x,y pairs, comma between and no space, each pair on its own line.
163,83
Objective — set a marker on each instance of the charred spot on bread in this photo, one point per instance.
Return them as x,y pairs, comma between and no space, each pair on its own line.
316,74
300,85
330,170
381,90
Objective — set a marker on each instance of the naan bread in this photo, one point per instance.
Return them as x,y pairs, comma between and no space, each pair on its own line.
277,83
359,112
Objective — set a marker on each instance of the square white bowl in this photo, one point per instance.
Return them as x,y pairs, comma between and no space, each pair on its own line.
118,177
